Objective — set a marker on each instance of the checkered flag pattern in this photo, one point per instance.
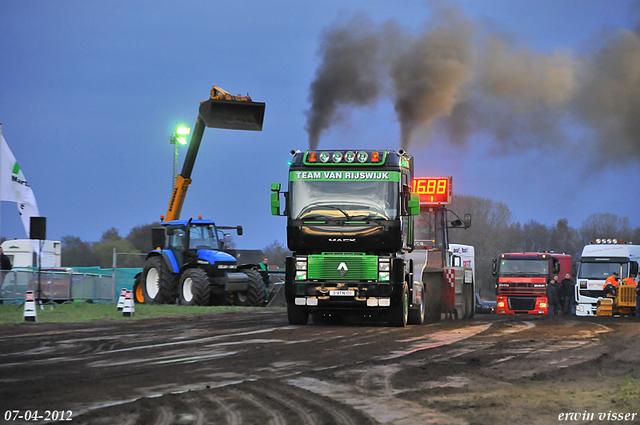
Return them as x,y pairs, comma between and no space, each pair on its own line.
450,275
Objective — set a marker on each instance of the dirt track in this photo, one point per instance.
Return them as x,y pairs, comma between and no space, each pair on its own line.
250,367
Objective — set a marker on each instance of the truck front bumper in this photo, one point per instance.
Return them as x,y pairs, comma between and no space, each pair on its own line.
343,296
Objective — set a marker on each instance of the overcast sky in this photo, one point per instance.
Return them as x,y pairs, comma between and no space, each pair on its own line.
91,90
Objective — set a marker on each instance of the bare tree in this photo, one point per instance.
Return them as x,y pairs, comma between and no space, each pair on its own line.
605,225
276,253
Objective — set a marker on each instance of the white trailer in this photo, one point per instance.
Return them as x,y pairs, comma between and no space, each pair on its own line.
599,261
25,253
467,258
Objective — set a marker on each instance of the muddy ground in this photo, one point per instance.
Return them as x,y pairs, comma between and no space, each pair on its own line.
250,367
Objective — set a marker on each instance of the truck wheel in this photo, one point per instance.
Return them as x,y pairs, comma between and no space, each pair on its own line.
138,293
399,313
297,315
471,300
416,317
432,295
254,295
194,287
158,282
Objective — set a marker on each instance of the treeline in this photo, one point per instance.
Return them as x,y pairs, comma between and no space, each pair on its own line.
494,231
79,253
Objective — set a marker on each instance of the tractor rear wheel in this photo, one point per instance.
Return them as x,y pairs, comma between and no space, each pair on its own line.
195,288
254,295
158,281
138,293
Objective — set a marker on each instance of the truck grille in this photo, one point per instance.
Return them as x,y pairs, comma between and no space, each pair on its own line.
524,303
330,266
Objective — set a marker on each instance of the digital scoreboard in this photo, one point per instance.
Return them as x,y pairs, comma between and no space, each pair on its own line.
433,190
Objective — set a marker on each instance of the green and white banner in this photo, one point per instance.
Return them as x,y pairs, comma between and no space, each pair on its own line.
315,175
14,186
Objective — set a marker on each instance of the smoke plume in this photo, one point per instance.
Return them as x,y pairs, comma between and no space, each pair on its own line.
457,78
347,76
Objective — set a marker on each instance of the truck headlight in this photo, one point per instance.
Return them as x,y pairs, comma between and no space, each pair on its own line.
383,266
301,265
301,275
383,276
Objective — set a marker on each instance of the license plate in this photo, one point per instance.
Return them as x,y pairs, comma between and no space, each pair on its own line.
343,293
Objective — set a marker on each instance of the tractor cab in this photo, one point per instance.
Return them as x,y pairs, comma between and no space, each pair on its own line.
193,241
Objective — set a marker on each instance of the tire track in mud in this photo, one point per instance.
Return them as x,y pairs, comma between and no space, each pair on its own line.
265,402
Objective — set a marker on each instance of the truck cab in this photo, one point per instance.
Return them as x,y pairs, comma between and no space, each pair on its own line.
349,225
600,260
522,278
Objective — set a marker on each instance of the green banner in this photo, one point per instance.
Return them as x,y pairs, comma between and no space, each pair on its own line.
389,176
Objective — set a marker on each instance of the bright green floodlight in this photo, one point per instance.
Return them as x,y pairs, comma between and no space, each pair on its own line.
181,133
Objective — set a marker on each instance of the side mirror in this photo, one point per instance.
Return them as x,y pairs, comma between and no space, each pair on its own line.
239,230
467,221
275,203
414,204
494,268
158,237
275,199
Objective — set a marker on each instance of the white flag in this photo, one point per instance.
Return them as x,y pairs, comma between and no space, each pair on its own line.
14,186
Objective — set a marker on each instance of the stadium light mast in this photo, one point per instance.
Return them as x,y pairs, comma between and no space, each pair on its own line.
179,137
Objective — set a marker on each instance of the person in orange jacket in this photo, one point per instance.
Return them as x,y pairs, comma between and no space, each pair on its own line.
612,280
611,285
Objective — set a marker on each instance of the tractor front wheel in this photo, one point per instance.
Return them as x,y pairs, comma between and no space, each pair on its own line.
255,294
195,288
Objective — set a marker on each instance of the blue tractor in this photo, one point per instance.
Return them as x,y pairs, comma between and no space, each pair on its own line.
189,266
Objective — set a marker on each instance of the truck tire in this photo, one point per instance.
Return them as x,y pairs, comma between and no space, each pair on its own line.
297,315
195,288
138,293
254,295
158,282
416,317
399,313
471,300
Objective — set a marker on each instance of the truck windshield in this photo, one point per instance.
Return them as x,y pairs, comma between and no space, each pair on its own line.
521,267
344,200
203,237
600,270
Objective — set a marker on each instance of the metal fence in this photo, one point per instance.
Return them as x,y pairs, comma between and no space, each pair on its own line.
56,286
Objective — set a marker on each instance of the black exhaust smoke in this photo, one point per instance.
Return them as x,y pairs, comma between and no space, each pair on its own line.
455,78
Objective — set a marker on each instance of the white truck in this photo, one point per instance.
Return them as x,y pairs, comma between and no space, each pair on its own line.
23,253
599,261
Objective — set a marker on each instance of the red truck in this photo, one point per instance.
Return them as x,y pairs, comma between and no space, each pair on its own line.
521,283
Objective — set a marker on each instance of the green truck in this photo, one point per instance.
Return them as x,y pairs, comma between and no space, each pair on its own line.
349,226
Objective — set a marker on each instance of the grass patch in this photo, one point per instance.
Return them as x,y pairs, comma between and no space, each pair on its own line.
85,312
